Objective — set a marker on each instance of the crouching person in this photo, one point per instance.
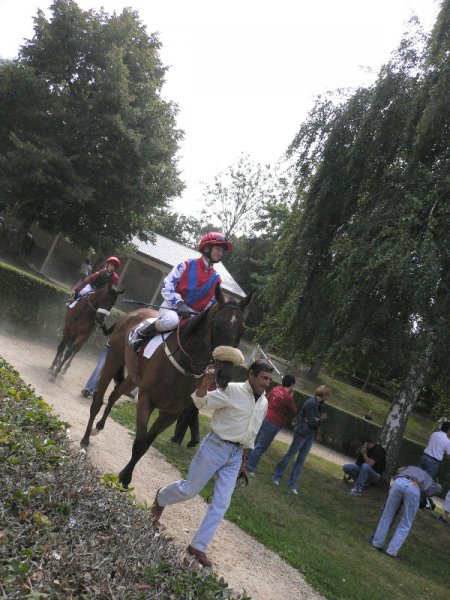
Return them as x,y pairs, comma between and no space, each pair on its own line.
406,490
238,412
369,467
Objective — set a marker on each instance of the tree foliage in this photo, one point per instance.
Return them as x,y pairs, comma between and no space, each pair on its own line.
237,200
362,276
95,155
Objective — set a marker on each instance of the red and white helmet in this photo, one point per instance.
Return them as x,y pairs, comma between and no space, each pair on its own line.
114,260
214,238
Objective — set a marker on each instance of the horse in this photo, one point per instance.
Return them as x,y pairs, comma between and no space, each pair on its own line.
168,378
80,322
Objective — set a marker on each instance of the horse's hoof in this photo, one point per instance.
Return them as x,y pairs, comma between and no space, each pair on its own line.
83,450
95,431
52,378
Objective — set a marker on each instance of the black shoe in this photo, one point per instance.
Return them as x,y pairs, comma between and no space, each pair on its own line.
175,441
192,443
144,331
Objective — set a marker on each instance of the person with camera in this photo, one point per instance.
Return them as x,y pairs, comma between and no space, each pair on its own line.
305,430
368,468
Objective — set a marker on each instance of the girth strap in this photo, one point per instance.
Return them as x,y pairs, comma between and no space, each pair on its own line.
178,366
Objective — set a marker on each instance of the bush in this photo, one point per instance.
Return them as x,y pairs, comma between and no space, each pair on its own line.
63,533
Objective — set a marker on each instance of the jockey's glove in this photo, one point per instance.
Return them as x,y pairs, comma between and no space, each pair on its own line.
183,311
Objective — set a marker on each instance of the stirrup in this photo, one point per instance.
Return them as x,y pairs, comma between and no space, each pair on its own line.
144,331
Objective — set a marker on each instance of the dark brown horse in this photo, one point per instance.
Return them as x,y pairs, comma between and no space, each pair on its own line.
80,322
164,385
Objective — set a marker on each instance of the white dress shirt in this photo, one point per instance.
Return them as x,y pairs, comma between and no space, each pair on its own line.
237,417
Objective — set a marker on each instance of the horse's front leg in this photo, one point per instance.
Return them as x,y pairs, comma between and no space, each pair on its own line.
125,387
63,349
96,405
72,350
143,438
59,351
112,365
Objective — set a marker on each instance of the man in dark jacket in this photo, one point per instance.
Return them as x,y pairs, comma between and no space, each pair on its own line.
368,468
311,416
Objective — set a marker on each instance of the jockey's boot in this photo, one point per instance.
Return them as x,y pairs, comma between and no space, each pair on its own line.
144,331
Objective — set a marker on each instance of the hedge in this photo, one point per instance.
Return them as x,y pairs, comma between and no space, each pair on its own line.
344,432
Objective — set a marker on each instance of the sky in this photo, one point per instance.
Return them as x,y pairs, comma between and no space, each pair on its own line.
245,73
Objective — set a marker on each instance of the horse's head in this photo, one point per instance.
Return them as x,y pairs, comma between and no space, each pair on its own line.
227,319
102,302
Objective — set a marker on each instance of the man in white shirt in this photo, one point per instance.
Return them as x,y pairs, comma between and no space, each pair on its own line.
239,411
438,445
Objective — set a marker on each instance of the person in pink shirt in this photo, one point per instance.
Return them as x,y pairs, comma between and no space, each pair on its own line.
281,406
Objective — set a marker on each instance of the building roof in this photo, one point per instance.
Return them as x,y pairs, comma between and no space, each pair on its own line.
172,253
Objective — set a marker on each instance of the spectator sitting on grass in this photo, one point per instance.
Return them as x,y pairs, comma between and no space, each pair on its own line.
368,468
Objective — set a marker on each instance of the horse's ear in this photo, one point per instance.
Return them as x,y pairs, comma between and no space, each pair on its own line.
246,301
219,295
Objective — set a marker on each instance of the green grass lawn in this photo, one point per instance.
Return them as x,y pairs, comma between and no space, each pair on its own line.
324,532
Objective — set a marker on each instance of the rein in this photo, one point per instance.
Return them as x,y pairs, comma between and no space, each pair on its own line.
170,355
102,311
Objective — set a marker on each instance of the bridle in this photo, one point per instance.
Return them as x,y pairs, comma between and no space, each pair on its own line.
102,311
195,366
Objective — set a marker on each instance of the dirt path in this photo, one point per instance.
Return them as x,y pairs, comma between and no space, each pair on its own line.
244,563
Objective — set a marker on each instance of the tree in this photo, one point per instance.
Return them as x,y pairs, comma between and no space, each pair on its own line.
186,230
367,246
235,198
105,160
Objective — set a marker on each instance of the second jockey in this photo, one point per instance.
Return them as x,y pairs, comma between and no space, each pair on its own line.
99,279
188,289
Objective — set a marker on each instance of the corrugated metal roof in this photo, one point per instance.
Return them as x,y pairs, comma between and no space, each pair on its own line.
172,253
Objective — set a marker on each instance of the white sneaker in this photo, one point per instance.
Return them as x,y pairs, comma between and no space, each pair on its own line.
294,491
276,481
251,473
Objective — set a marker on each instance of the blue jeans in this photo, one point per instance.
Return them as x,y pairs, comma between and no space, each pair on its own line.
402,490
430,465
302,444
361,475
214,457
91,384
263,440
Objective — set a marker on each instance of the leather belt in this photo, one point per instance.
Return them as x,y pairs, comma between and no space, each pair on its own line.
227,441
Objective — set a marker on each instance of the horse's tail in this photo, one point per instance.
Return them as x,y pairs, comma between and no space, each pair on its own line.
107,330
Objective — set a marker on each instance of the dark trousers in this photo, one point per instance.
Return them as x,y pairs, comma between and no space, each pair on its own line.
188,418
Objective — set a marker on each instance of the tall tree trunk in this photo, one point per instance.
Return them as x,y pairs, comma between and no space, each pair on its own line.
395,422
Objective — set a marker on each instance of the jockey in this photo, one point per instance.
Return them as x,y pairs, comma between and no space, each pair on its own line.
99,279
188,289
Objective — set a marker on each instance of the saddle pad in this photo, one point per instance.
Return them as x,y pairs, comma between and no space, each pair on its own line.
151,346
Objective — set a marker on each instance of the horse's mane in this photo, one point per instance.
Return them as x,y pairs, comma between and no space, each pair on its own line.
193,324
